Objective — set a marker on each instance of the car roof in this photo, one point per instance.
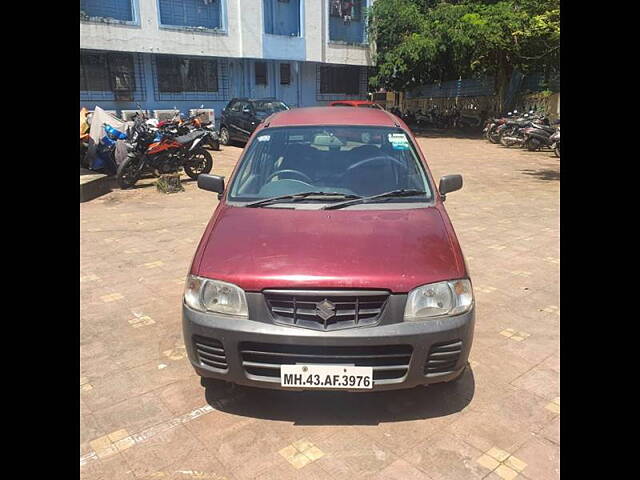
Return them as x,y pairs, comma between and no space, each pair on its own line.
352,102
332,116
245,99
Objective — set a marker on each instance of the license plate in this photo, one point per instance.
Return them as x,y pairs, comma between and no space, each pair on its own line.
326,376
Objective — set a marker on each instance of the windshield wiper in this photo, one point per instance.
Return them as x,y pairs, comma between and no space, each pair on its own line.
393,193
300,196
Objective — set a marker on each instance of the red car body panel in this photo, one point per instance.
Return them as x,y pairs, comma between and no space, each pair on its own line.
397,250
374,249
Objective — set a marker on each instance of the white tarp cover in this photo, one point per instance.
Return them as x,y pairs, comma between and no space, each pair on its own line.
99,118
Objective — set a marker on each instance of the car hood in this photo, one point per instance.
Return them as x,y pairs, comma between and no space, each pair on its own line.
397,250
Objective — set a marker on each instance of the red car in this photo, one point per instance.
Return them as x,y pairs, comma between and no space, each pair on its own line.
329,263
355,103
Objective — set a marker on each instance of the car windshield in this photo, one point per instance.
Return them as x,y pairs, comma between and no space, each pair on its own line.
269,106
351,161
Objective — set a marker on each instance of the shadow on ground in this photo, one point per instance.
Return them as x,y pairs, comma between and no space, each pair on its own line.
342,408
435,133
548,175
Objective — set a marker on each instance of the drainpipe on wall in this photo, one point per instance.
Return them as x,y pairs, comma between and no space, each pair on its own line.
296,71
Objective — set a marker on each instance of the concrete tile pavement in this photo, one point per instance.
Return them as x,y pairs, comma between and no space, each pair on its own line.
136,247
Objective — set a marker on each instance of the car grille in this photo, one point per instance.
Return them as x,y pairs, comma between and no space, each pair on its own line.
345,309
210,352
264,359
442,358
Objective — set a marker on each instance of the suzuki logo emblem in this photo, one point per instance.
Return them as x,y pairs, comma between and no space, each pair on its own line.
325,309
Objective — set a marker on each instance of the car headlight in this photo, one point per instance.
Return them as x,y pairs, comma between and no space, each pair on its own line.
206,295
437,299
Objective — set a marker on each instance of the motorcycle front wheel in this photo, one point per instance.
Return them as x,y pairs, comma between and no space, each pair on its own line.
129,171
557,151
200,161
533,144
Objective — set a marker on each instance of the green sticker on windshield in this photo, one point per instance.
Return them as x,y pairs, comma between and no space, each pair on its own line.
398,141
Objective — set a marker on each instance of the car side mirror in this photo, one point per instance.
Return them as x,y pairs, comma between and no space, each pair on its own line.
211,183
448,184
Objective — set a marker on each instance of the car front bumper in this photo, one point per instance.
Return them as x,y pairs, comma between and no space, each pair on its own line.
242,351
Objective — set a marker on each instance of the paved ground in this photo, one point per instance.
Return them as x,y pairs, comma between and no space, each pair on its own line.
144,414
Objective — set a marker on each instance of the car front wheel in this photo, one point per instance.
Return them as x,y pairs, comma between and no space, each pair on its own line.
224,136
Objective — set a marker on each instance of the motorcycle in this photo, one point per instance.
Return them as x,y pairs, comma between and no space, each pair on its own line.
537,136
513,131
161,152
555,146
180,125
491,129
469,120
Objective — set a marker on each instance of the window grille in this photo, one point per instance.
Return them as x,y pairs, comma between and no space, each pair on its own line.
340,80
285,74
190,13
169,85
331,80
110,76
116,9
261,73
184,74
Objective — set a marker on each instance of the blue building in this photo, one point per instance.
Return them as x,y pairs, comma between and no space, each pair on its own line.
185,53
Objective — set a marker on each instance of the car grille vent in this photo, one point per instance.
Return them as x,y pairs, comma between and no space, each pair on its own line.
210,352
333,310
389,362
442,358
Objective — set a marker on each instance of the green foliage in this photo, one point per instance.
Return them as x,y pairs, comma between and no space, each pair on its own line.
424,41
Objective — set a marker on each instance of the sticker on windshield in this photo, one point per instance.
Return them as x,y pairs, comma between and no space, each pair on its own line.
264,138
398,141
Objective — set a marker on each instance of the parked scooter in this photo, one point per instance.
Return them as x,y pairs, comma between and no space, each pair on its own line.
491,129
555,146
537,136
513,133
105,152
469,119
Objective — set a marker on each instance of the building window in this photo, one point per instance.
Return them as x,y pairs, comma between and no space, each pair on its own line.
101,72
346,21
182,74
285,73
345,80
282,17
191,13
348,10
113,9
261,73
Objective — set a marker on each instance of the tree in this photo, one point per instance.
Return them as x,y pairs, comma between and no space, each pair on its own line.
424,41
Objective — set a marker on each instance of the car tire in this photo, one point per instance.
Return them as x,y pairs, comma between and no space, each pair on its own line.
225,139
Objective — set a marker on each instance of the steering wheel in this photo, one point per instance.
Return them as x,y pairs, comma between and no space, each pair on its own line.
385,158
289,171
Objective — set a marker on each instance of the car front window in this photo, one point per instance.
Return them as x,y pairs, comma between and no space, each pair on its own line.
350,160
269,107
